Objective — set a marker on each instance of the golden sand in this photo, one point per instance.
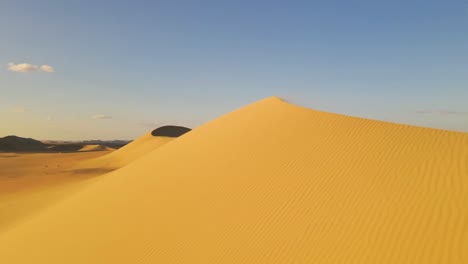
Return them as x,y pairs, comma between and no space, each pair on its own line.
268,183
128,153
31,182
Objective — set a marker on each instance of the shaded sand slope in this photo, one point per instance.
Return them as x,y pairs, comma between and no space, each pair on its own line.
269,183
128,153
137,148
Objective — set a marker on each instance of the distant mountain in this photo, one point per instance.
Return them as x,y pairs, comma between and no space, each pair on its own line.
19,144
14,143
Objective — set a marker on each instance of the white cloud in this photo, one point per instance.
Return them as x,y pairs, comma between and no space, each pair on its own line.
441,112
101,117
27,67
22,67
452,112
47,68
424,111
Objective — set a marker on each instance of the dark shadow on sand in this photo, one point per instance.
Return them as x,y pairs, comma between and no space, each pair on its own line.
93,171
170,131
8,156
65,148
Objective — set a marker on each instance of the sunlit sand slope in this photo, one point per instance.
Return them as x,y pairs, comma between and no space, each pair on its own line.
130,152
269,183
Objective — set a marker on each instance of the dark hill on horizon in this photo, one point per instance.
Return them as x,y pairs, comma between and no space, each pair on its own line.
170,131
15,143
19,144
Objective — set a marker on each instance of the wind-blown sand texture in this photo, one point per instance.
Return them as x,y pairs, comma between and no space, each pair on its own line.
268,183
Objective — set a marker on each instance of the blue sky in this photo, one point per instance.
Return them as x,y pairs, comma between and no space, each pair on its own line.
123,67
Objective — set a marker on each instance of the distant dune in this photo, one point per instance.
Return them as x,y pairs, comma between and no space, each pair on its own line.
65,147
95,147
114,144
268,183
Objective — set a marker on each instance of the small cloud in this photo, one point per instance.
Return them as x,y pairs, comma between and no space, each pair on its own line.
441,112
20,109
424,111
450,112
47,68
101,117
27,67
49,118
22,67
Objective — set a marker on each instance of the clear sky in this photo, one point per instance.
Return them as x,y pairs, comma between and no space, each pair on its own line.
120,68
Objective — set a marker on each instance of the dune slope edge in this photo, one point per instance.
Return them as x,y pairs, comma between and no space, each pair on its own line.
128,153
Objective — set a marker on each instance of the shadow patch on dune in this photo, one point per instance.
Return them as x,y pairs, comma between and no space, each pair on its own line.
170,131
8,156
93,171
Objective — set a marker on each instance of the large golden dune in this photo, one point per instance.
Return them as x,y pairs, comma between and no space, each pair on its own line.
268,183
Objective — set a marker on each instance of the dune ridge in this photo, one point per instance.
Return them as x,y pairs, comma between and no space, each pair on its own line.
95,147
268,183
128,153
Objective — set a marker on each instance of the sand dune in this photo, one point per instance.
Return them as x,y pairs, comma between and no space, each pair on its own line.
268,183
96,147
137,148
128,153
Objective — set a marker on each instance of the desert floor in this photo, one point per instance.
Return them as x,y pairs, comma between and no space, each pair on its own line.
30,182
